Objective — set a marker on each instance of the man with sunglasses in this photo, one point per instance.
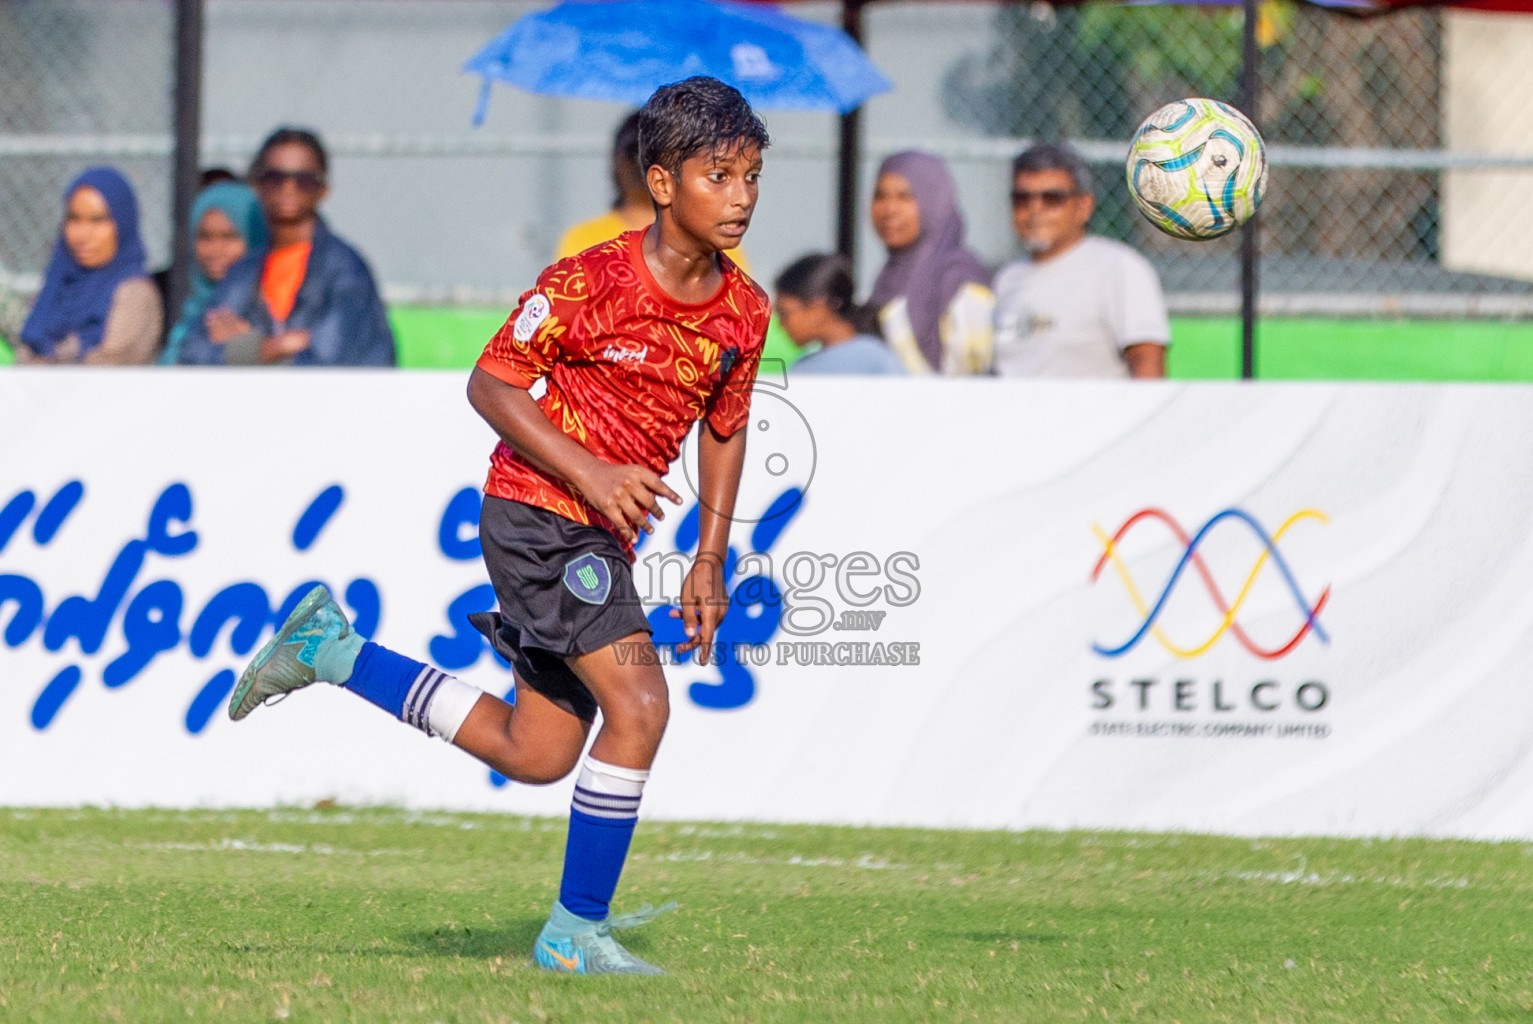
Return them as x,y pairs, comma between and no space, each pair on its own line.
308,299
1079,305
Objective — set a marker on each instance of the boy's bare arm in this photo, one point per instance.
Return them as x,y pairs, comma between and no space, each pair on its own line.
703,597
624,494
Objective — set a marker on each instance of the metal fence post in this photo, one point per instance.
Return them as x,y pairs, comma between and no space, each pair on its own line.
849,154
1249,83
188,127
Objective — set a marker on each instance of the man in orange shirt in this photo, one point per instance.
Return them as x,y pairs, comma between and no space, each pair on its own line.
309,298
638,340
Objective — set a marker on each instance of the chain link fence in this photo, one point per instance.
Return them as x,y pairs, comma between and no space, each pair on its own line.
1361,128
83,82
1398,143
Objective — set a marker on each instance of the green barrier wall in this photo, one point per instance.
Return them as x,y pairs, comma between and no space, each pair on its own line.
1208,348
1205,348
429,338
441,339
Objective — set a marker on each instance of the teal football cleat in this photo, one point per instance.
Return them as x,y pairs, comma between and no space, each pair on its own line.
575,945
315,644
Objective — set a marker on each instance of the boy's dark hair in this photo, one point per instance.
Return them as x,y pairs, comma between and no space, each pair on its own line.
625,154
827,276
288,135
1047,157
214,176
697,115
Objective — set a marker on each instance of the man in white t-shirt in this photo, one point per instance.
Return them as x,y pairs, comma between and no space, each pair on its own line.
1080,305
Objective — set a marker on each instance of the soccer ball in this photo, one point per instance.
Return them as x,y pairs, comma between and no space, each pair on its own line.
1197,169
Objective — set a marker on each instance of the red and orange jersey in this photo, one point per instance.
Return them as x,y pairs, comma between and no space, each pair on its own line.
629,368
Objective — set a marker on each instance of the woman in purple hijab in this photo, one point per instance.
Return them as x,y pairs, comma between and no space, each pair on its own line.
933,296
97,305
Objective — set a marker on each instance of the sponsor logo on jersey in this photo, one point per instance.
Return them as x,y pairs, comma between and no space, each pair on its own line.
625,355
534,311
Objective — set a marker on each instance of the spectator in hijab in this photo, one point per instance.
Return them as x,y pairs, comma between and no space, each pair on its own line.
1080,305
161,277
305,299
97,305
227,222
933,297
814,304
632,209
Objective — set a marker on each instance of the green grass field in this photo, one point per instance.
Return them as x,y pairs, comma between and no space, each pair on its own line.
379,915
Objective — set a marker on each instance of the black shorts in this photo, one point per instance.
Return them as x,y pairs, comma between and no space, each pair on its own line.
564,589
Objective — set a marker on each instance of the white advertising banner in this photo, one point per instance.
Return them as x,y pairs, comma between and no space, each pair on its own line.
1253,609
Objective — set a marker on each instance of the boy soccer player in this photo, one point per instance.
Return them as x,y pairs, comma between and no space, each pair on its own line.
637,338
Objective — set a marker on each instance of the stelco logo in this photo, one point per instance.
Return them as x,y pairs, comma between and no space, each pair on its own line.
1215,695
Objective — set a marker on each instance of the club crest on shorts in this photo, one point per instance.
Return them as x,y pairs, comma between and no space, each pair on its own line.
534,311
588,578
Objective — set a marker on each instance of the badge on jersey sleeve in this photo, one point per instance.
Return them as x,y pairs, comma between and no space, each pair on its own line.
588,578
727,360
534,311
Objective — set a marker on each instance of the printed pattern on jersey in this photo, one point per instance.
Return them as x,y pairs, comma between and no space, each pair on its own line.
629,369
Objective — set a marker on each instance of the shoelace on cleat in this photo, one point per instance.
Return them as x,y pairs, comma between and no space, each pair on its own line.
644,915
607,951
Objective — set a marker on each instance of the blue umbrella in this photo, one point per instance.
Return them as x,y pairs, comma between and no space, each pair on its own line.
623,50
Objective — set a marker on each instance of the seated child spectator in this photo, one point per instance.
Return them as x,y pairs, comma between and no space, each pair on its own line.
308,299
97,304
227,222
161,277
814,304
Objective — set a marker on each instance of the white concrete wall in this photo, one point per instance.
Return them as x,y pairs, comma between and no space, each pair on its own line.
1487,85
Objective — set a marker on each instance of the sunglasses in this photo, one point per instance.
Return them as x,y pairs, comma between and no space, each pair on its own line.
272,179
1052,199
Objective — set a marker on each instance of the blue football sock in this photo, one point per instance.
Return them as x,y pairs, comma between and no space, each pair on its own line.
416,694
593,861
383,677
602,818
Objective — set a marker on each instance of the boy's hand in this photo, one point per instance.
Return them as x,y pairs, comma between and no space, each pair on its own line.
280,346
703,604
626,495
224,325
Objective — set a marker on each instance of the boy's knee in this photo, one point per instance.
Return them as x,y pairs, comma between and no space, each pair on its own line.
652,711
645,711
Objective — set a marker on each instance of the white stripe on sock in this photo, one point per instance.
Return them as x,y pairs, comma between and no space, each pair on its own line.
410,712
447,709
608,790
